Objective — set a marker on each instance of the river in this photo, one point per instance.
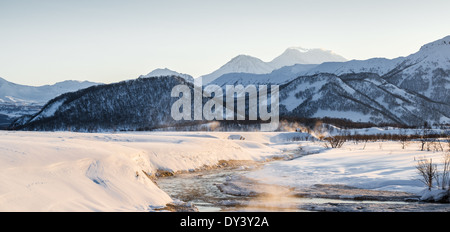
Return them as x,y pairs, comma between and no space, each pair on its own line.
227,189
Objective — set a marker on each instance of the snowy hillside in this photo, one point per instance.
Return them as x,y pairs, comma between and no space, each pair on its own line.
426,72
167,72
139,104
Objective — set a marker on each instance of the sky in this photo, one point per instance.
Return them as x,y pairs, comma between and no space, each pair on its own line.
47,41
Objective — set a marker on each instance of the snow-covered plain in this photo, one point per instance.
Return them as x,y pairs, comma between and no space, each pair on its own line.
66,171
375,165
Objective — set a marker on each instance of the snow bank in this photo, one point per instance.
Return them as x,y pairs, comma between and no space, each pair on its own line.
64,171
435,195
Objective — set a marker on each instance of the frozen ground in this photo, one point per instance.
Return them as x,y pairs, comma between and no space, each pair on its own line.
65,171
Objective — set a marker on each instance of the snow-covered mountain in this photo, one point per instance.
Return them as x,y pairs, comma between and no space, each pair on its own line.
239,64
292,56
409,90
425,72
297,55
360,97
405,90
167,72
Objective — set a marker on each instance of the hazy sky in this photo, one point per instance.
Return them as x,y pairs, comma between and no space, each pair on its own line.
46,41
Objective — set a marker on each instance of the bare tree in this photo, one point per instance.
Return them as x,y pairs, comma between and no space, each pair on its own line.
423,138
427,170
404,140
447,139
365,140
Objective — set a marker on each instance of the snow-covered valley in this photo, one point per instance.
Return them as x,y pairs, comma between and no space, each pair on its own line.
67,171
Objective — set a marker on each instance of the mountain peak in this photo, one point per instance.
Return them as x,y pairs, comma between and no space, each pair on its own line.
300,49
167,72
240,64
300,55
244,58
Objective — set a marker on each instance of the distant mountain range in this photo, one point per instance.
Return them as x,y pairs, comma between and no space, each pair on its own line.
17,100
15,93
408,90
253,65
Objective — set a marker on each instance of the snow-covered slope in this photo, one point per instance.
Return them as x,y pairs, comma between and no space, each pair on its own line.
426,72
167,72
297,55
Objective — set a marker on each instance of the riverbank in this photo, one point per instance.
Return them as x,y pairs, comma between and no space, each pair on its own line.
67,171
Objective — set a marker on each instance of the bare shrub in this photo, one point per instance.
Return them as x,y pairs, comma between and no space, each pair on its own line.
335,141
435,146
